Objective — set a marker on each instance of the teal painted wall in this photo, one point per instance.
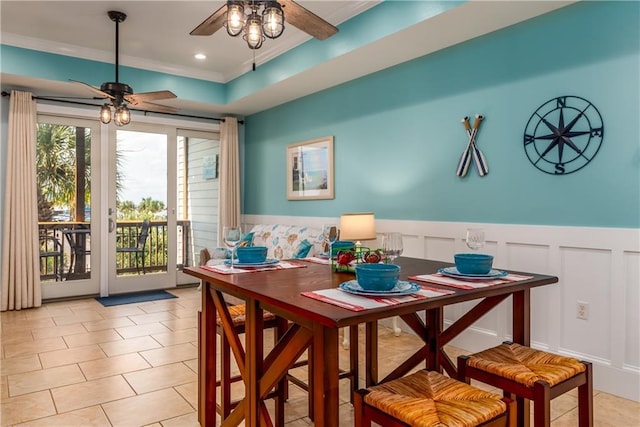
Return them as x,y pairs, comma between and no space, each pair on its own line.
387,18
51,66
398,135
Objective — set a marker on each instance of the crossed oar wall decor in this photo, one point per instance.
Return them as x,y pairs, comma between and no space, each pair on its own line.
472,149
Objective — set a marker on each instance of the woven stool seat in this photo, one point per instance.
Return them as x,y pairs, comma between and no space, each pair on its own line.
238,314
531,374
431,399
525,365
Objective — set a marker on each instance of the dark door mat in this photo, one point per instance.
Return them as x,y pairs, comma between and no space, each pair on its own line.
134,298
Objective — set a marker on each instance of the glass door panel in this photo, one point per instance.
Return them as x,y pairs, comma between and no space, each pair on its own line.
68,191
138,220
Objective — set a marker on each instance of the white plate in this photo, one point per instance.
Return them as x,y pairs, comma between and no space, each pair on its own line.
401,288
265,263
453,272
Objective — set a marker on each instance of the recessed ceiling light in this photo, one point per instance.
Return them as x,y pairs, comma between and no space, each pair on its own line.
200,56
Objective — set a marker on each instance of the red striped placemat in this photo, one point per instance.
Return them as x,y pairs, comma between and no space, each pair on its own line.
353,302
317,260
226,269
441,279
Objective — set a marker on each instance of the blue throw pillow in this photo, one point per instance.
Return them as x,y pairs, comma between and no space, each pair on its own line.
303,249
247,240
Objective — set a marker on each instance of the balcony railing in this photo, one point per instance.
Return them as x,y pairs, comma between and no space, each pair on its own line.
65,248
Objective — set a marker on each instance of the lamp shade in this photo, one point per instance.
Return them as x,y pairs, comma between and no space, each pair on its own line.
358,226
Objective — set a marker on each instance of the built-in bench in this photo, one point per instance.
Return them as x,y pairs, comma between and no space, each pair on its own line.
288,241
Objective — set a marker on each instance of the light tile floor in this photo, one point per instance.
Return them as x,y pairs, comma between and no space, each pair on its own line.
77,363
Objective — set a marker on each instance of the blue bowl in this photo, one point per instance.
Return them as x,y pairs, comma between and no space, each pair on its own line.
251,254
377,277
473,263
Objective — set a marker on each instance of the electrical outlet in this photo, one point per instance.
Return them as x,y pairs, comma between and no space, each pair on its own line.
582,310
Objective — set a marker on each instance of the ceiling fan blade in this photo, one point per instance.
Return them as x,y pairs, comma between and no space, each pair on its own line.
137,98
94,90
307,21
150,106
211,24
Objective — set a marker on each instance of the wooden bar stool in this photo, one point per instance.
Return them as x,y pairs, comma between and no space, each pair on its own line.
238,316
532,374
428,398
351,374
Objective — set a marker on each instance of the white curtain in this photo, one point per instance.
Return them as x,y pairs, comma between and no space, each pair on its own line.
20,247
229,191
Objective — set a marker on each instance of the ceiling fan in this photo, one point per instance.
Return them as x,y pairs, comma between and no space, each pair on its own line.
269,24
121,94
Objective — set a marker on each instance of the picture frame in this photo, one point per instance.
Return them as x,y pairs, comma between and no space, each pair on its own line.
210,167
310,169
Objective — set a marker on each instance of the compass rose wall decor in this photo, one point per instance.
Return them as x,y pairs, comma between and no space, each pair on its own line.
563,135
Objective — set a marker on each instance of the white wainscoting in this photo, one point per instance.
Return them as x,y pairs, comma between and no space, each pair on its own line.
599,266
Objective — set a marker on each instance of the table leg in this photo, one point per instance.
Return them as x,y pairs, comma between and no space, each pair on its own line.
207,362
522,317
325,376
434,321
521,335
201,400
371,357
253,362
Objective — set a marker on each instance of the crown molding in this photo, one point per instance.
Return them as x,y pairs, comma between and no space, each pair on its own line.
106,56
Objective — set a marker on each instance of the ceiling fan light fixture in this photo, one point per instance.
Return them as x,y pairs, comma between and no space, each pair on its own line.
253,31
123,116
270,14
105,114
235,19
272,20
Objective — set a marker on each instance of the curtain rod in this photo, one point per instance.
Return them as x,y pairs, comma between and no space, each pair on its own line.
145,112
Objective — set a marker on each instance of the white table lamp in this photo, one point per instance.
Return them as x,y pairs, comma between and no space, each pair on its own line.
358,226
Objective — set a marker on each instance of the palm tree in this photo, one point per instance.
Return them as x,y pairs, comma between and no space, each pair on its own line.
148,205
45,208
63,170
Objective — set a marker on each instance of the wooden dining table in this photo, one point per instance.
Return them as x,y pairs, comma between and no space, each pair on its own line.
315,324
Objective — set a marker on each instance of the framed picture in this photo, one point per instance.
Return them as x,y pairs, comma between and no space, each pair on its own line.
310,169
210,167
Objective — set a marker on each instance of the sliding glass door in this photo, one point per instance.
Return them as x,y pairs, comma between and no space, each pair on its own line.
123,209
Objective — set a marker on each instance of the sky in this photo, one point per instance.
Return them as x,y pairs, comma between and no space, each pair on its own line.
143,165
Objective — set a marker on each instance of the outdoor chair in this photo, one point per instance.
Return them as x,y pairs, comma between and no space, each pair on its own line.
77,240
51,248
138,250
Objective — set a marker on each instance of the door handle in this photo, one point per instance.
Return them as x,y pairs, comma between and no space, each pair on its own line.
112,225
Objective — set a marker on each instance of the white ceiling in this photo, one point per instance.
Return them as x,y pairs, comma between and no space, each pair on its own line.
155,36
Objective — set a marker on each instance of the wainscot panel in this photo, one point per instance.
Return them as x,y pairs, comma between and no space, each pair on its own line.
599,266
